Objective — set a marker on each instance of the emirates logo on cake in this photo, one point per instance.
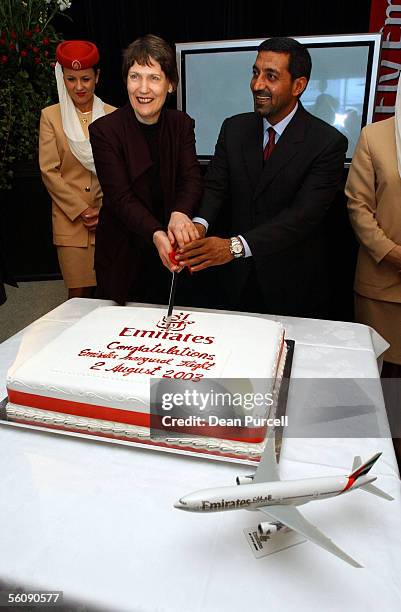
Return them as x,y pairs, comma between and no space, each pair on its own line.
179,321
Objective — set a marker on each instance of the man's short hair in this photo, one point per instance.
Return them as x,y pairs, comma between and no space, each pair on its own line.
299,62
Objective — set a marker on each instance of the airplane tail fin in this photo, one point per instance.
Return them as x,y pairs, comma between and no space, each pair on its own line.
363,468
358,469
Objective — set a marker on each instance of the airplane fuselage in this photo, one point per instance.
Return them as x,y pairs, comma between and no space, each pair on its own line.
253,496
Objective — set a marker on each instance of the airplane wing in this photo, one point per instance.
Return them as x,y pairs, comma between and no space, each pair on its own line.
267,470
292,518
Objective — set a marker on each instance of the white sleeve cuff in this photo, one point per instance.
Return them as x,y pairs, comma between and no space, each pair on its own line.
201,221
248,252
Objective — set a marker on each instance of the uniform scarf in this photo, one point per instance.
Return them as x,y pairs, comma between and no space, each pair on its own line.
80,145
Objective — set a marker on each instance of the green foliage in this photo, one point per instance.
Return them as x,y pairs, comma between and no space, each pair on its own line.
28,44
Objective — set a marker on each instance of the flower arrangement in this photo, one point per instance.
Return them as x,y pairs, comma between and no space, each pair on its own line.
28,43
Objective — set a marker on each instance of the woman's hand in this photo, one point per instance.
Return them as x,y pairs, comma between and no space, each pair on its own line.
163,245
181,230
90,218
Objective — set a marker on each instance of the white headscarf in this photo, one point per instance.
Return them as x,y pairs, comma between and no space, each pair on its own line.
80,145
398,125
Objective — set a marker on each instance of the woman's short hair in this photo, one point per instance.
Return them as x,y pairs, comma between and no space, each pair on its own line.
149,47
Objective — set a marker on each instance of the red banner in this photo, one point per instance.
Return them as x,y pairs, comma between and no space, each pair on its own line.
385,17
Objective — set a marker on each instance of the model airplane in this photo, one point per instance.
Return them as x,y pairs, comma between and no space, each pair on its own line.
277,499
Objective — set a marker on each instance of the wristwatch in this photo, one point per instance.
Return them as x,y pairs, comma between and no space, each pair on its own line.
236,247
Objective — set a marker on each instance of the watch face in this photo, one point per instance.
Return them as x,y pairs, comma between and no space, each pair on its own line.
236,247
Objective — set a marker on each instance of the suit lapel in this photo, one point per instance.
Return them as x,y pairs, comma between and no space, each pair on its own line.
252,149
285,150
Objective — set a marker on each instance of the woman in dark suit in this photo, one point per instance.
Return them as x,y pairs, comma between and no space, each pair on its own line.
147,167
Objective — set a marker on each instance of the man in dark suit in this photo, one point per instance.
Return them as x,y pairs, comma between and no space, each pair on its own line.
274,174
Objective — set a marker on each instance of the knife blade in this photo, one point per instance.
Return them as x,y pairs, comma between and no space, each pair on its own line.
171,298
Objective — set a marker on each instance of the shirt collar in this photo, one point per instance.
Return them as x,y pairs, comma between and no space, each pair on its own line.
281,125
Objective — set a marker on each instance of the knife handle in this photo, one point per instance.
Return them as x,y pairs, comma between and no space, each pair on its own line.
173,260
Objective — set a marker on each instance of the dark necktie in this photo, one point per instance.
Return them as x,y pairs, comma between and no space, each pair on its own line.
267,151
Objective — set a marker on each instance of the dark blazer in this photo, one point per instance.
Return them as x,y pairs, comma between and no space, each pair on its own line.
127,219
277,207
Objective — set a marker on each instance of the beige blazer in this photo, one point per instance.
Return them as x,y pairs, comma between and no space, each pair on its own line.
72,187
374,191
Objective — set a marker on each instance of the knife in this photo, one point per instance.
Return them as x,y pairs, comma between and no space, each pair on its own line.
171,299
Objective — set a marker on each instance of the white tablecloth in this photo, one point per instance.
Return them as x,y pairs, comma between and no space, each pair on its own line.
96,520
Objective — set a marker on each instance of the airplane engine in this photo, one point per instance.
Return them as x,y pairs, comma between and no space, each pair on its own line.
266,529
241,480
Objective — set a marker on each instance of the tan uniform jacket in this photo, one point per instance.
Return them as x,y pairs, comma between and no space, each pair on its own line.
374,204
71,186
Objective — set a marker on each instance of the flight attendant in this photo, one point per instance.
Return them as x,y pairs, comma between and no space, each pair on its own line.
66,163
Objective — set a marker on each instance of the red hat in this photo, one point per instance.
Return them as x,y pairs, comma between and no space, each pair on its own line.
77,54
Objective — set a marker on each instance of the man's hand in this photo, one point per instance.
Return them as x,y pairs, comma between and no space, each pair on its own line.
201,229
90,218
181,230
206,252
163,246
394,257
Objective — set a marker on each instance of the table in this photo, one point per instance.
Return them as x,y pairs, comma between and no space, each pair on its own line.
96,520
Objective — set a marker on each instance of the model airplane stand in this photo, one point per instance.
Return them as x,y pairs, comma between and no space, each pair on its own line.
266,545
263,546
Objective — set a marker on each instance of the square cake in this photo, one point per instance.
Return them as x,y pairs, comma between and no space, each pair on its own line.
95,376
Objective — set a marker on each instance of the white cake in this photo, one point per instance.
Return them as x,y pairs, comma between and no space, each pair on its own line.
95,376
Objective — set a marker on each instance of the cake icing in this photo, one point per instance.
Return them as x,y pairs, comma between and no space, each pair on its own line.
99,368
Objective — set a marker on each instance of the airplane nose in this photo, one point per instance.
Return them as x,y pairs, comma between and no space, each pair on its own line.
178,504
